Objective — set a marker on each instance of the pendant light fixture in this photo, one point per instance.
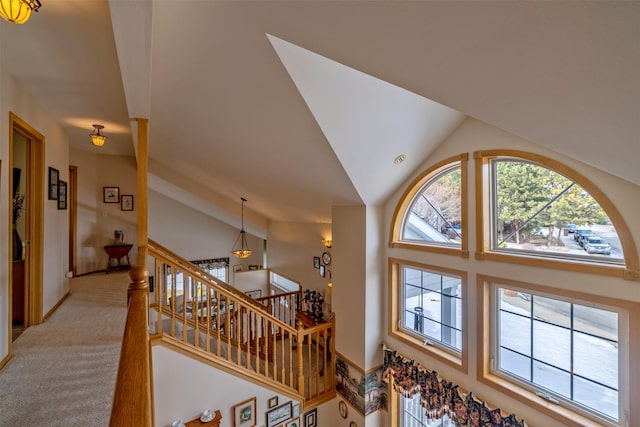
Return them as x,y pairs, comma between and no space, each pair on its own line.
18,11
243,251
97,138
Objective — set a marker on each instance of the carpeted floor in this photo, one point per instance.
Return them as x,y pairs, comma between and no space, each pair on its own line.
63,371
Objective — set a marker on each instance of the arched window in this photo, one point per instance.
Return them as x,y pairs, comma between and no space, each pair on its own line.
431,215
532,209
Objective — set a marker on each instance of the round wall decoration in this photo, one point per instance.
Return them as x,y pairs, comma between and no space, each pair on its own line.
342,408
326,258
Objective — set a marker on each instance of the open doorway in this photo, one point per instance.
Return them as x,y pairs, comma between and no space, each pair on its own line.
26,182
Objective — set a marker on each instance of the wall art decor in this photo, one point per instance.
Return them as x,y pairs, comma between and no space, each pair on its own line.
62,195
316,262
54,176
365,391
111,194
293,423
126,202
273,402
311,418
342,409
279,414
244,413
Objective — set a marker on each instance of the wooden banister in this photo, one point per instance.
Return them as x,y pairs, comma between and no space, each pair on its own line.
132,400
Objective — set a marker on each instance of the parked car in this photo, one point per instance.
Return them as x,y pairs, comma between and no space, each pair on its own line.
580,233
596,245
571,228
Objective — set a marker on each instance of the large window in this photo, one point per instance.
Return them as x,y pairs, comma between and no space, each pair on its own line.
568,349
432,306
430,310
435,215
540,211
414,415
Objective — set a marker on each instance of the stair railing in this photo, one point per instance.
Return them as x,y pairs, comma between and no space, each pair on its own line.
209,318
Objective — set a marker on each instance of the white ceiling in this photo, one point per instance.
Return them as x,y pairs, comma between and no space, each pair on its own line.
301,105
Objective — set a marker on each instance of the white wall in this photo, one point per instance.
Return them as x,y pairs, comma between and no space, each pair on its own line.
474,135
13,98
195,235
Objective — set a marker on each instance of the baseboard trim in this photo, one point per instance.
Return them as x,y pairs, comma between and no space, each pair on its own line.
55,307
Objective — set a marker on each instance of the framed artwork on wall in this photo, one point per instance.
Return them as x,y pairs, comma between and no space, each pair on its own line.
62,195
126,202
54,176
279,414
273,402
111,194
244,413
311,418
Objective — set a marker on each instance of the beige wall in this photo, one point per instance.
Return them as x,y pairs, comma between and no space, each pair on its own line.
13,98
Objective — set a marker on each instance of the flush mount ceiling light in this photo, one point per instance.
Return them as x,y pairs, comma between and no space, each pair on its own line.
243,251
401,158
97,138
18,11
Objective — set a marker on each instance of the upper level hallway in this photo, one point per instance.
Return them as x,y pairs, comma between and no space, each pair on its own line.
63,371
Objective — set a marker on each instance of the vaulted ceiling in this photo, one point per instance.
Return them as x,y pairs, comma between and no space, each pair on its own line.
301,105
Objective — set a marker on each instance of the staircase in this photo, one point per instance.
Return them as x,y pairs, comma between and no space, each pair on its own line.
208,319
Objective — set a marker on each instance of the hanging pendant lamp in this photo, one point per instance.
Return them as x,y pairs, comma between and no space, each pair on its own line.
243,251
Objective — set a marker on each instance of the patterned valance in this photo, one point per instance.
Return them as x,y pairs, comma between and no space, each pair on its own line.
210,264
439,396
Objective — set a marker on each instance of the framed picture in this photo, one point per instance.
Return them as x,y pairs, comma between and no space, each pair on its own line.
257,294
322,270
111,194
342,409
244,413
237,268
293,423
254,267
316,262
311,418
273,402
54,176
296,410
62,195
279,414
126,202
353,424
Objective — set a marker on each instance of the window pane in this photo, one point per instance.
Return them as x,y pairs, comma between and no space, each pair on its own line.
413,415
552,344
435,213
596,359
537,210
552,311
432,306
515,332
552,378
515,302
595,321
515,363
594,396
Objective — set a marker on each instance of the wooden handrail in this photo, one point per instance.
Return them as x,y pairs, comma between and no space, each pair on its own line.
133,401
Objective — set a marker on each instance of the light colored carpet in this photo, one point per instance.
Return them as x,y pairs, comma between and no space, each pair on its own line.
63,371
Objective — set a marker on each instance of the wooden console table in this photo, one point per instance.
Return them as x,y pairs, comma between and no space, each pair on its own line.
215,422
116,253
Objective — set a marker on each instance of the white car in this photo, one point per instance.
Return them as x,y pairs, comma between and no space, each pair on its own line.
596,245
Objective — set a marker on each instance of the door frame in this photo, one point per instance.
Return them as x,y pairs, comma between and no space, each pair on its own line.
34,231
72,194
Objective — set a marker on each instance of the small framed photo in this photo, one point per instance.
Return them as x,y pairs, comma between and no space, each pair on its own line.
273,402
316,262
237,268
111,194
257,294
254,267
62,195
296,410
322,270
54,176
126,202
244,413
279,414
311,418
293,423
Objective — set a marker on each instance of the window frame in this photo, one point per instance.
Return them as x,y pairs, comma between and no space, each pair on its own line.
629,270
412,191
436,350
570,414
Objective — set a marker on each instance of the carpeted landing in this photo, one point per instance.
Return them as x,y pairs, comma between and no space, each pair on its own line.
63,371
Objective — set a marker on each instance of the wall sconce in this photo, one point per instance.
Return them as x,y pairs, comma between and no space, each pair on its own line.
326,243
97,138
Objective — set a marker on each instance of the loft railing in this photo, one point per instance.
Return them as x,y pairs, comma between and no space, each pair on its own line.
207,317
